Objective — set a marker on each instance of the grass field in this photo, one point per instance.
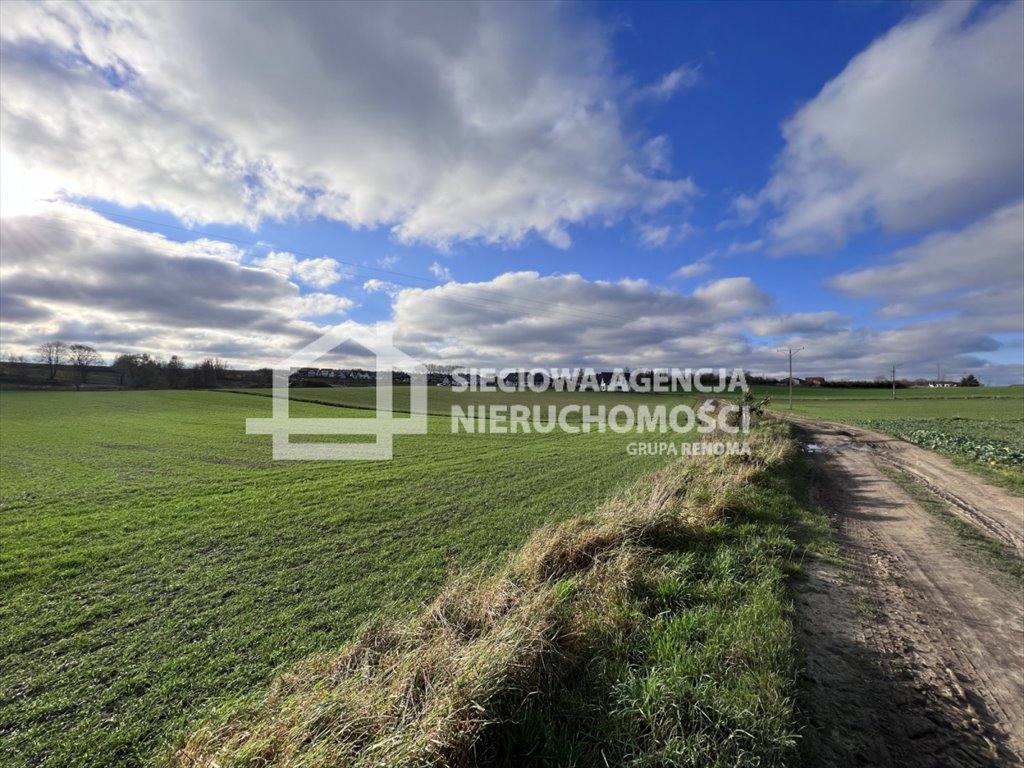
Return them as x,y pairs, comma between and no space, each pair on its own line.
981,428
803,393
155,561
440,400
653,631
157,567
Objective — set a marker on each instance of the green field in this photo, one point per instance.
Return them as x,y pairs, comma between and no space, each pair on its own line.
440,400
155,561
982,428
805,393
158,566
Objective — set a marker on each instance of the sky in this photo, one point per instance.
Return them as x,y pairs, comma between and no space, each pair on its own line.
520,184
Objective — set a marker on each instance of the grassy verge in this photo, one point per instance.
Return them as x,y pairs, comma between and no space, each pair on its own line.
982,549
655,631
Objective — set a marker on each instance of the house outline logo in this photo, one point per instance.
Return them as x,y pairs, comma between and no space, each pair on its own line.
281,426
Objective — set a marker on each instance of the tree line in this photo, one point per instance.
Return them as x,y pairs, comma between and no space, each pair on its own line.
134,370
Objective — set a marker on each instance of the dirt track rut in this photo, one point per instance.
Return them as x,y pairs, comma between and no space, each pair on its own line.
914,655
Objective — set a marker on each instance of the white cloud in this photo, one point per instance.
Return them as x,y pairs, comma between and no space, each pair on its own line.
320,273
653,236
322,304
747,247
522,318
703,265
696,269
138,291
733,296
656,154
685,76
69,273
489,121
440,272
977,273
374,285
812,323
921,129
659,236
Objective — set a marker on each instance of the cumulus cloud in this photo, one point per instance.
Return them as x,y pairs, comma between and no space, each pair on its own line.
488,121
977,272
321,273
69,273
524,317
921,129
137,291
812,323
528,318
858,353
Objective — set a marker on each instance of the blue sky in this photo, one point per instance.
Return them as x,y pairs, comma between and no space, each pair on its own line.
615,183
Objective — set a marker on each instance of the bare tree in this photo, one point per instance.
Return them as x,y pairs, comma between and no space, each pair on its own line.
206,373
52,353
82,356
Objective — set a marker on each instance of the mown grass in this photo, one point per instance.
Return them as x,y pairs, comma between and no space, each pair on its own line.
656,631
155,562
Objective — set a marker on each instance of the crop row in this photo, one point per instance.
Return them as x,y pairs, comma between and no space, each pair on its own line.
955,439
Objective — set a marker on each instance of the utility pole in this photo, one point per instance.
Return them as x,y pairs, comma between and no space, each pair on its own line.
938,374
894,382
790,351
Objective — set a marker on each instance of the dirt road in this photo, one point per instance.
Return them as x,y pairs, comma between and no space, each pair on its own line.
914,652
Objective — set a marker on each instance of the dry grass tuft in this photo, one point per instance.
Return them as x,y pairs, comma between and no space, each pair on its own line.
421,694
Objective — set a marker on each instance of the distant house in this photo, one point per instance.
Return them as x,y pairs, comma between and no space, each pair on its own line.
816,381
795,381
942,384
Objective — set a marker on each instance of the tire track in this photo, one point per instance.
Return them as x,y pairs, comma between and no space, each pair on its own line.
914,657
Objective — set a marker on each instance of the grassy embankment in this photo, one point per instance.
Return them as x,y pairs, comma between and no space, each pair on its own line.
654,631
